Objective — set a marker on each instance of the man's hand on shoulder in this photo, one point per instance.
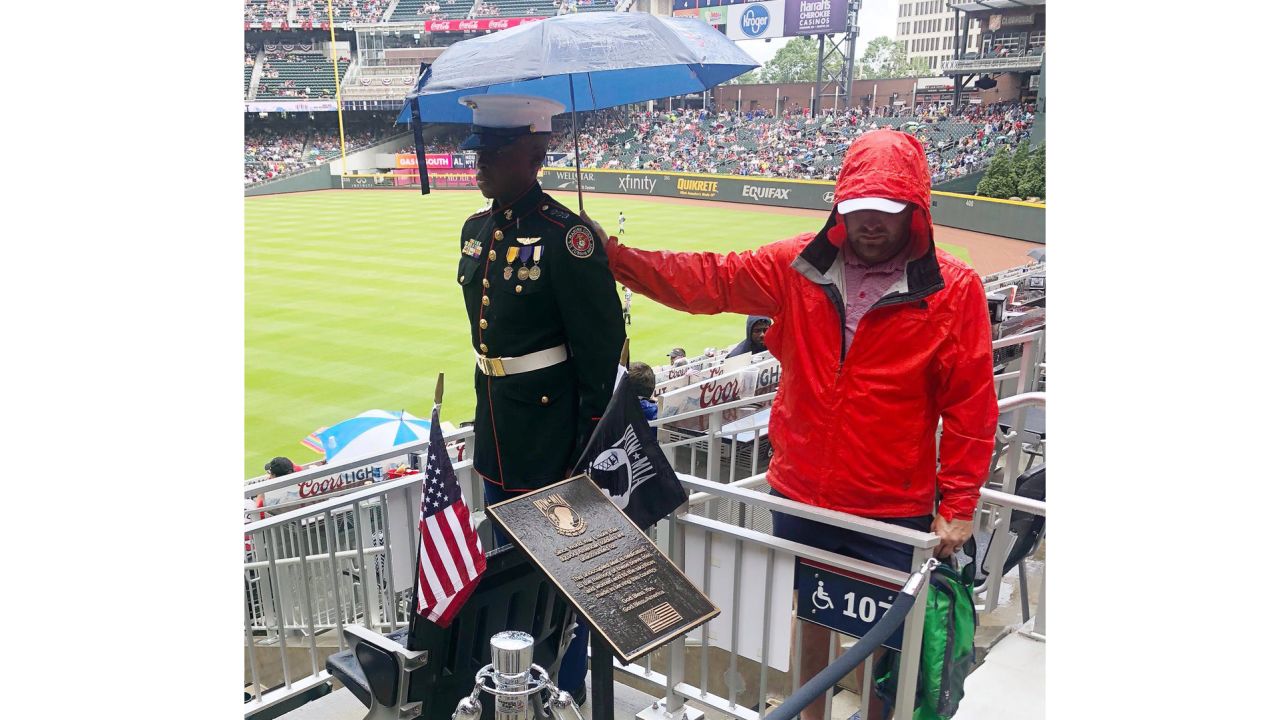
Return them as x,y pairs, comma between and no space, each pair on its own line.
609,242
953,533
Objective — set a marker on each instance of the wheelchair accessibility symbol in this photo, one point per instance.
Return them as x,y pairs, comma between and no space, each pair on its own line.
821,600
842,600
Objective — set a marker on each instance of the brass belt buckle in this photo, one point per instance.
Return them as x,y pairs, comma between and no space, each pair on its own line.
491,366
496,365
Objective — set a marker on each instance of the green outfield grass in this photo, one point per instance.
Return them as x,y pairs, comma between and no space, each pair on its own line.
351,304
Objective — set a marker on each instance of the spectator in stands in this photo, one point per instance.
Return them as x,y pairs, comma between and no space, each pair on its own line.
880,336
757,326
642,381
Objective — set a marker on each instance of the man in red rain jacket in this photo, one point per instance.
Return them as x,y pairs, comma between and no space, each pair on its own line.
880,335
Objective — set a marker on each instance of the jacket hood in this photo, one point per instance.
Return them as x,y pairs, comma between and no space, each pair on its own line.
886,164
752,320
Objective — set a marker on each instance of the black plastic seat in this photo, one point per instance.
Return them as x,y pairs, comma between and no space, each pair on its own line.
513,594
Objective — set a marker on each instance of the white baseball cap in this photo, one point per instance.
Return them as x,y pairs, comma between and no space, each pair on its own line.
871,203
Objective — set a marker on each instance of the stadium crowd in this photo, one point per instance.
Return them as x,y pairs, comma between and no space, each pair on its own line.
275,152
794,145
278,12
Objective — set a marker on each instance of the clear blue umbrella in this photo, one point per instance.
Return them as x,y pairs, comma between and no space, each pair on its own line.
587,61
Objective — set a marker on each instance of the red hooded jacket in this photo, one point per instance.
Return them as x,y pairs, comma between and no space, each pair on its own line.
857,433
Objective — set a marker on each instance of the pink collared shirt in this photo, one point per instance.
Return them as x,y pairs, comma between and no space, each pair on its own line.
864,285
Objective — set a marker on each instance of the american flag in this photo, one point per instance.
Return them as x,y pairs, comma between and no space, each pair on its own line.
450,559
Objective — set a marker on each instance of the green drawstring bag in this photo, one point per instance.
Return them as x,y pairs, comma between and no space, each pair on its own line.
946,652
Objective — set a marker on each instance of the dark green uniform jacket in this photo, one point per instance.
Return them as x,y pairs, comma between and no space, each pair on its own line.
531,427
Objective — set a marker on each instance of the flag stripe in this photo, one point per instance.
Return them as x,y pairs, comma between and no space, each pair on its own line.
435,566
427,569
459,537
446,553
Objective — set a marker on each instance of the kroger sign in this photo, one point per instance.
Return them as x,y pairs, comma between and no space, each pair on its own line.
753,21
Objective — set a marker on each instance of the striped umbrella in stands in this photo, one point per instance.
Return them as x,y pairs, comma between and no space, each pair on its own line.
371,432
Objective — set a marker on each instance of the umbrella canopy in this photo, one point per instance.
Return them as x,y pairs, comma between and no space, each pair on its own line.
586,61
371,432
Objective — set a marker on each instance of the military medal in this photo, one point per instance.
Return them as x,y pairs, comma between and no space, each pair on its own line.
472,248
535,272
523,272
512,252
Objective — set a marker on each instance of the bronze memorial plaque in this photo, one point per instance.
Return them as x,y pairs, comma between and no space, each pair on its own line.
605,565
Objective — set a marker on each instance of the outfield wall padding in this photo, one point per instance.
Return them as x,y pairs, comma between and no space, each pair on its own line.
1006,218
314,179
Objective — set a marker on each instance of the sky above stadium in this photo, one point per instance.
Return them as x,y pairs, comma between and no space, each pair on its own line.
876,18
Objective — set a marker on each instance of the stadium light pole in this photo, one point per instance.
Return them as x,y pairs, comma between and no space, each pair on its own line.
851,30
817,81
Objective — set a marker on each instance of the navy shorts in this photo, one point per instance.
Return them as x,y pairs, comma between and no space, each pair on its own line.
849,542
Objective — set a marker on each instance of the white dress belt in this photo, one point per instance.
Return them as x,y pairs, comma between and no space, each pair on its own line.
500,367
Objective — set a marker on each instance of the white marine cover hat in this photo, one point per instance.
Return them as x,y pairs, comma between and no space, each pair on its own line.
500,119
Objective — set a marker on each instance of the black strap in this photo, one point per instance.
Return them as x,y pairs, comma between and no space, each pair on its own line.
419,147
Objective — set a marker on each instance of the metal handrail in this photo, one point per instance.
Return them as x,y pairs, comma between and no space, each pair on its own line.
753,400
875,528
1017,502
995,63
258,485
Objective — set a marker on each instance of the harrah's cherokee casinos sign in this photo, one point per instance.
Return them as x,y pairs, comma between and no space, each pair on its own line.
805,17
476,25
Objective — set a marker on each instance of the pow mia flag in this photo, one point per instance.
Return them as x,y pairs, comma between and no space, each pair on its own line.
624,460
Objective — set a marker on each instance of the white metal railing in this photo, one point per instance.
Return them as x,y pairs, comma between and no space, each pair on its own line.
752,596
998,501
345,558
996,64
314,473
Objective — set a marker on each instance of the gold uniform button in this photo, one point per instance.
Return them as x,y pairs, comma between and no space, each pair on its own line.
484,324
493,254
486,283
484,300
462,278
484,348
497,235
519,289
545,400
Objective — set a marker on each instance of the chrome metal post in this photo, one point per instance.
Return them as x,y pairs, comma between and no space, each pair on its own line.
512,655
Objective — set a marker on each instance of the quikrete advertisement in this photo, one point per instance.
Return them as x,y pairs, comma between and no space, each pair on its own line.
697,187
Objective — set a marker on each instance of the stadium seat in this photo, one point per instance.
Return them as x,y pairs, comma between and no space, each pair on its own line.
513,594
1026,530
